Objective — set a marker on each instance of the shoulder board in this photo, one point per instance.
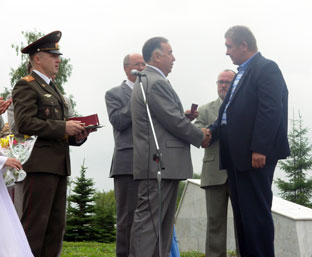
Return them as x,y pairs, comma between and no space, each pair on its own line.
28,78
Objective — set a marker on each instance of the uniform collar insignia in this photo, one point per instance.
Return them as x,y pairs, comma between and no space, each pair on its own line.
28,78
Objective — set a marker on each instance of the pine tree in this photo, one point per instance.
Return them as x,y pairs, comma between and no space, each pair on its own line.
80,210
299,188
105,219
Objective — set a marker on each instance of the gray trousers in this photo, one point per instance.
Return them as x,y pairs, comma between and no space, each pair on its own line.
144,233
217,198
126,195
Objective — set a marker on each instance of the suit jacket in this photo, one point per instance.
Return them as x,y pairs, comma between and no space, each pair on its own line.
40,110
174,131
119,113
211,175
257,115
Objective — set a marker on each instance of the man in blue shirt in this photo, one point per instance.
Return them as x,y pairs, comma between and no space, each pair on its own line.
252,126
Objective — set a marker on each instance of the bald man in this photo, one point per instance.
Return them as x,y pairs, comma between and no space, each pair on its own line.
126,189
213,180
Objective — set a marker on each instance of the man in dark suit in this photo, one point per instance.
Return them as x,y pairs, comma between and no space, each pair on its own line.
252,125
214,180
126,189
175,133
39,109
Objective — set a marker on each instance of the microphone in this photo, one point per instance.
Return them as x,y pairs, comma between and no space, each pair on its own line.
137,73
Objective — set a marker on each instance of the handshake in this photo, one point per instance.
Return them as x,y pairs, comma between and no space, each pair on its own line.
207,137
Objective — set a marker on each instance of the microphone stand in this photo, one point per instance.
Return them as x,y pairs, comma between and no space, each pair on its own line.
157,159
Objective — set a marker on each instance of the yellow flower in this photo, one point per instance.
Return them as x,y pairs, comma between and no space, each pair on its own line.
4,142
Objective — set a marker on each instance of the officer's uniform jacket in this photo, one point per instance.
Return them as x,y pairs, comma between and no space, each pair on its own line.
39,109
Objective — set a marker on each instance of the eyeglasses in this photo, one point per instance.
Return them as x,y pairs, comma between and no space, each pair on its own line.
224,82
136,64
139,64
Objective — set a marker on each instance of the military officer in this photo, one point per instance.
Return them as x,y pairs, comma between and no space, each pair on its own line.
39,109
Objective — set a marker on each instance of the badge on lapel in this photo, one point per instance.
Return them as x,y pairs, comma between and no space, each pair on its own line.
47,95
47,111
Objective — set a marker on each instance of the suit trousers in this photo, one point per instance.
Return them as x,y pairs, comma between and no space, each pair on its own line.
144,233
43,216
126,195
251,198
217,197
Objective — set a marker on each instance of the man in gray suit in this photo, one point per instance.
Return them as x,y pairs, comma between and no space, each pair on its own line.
213,180
175,133
126,189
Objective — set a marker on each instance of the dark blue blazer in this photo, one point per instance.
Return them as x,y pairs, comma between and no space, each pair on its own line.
257,115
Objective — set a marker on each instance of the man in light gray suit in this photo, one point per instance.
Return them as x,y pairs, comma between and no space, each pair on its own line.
213,180
175,133
126,189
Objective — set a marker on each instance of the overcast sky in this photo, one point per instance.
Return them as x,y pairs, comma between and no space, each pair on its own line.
97,34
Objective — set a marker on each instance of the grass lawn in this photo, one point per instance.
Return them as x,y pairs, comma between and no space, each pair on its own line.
94,249
88,249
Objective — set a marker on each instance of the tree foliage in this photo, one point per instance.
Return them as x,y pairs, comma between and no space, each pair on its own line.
299,187
21,70
91,216
80,210
105,218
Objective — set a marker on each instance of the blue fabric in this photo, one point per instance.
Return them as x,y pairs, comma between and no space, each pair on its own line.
241,69
235,83
244,65
174,251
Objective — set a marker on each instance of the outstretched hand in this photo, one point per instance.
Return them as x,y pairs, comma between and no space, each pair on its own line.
207,137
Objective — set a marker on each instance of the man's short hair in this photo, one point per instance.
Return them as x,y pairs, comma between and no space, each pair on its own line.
126,60
150,45
229,70
29,67
239,34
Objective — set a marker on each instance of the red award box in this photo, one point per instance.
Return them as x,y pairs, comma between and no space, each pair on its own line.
90,121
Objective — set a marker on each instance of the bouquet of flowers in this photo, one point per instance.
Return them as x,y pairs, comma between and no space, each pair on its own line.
19,148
